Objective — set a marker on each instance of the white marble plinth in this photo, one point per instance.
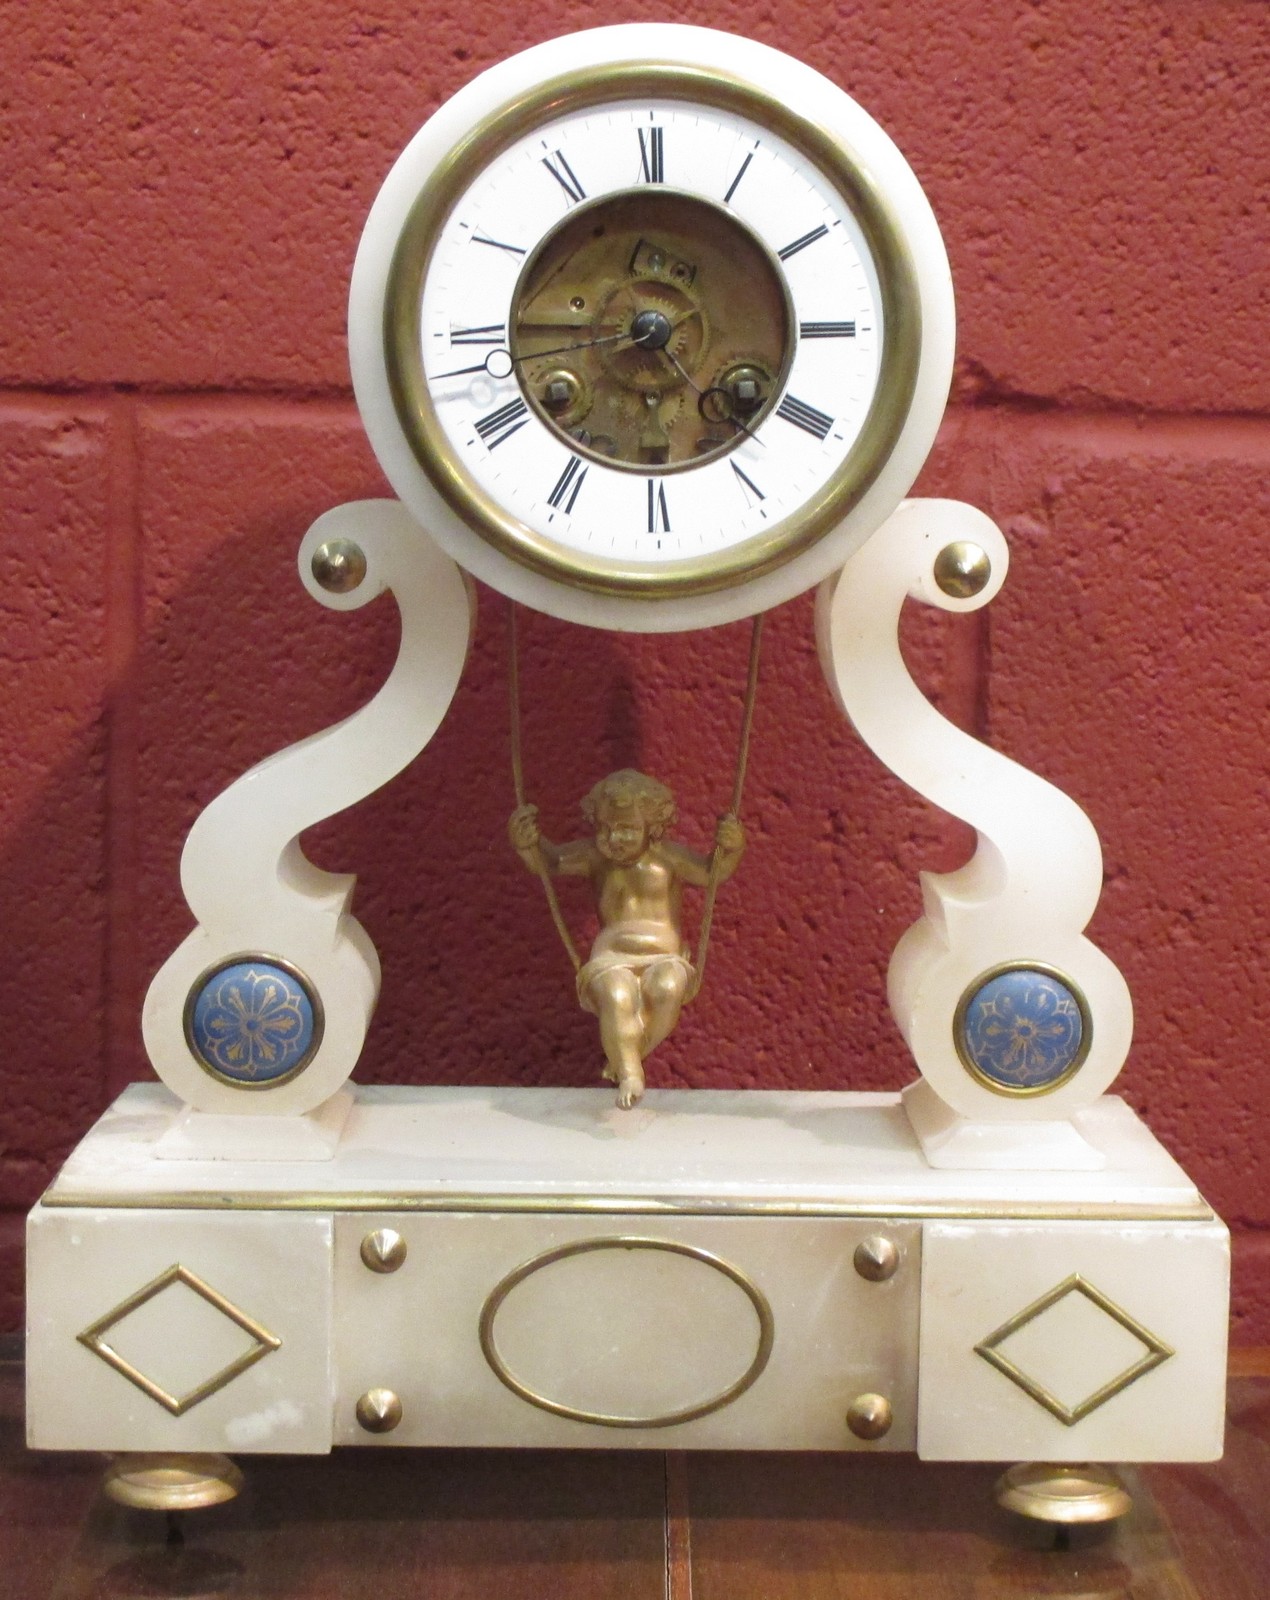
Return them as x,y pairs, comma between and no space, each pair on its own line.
533,1267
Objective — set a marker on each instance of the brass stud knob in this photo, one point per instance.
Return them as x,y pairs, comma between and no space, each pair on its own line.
379,1410
876,1258
564,395
962,569
869,1416
339,565
747,385
384,1250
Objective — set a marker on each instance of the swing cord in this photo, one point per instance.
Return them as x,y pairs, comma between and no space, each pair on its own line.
518,778
738,784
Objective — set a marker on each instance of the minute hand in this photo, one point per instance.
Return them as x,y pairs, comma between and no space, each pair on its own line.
505,359
564,349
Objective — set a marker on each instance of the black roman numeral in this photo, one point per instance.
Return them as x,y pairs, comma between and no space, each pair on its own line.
564,176
801,244
826,330
650,155
748,486
568,483
499,426
733,186
497,244
658,516
804,416
494,333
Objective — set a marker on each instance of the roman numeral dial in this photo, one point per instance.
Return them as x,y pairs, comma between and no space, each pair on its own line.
498,426
652,154
568,485
808,238
564,175
651,333
658,515
826,330
803,416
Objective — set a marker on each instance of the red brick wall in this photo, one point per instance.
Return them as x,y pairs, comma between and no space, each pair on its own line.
182,191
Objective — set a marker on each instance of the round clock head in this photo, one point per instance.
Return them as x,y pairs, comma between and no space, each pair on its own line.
640,343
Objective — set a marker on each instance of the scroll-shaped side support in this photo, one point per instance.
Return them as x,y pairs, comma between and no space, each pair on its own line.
263,1010
1014,1018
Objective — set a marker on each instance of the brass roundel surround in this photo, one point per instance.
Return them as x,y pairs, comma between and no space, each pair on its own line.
584,90
289,967
756,1297
1023,1092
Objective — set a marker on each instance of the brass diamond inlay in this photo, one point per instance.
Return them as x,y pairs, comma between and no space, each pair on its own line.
1156,1350
265,1342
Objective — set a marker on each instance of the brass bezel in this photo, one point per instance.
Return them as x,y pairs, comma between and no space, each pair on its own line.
901,309
756,1297
1048,971
300,976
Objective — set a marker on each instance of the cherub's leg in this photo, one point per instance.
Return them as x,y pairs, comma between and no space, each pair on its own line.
663,987
615,996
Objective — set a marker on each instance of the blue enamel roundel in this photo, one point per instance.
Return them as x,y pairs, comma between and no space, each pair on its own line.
1023,1031
253,1023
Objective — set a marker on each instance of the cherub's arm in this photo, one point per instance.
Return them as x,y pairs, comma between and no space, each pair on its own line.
729,841
564,860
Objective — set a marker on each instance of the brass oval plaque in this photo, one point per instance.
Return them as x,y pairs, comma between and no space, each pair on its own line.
605,1320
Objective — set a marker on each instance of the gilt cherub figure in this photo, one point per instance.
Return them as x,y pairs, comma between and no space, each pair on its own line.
639,973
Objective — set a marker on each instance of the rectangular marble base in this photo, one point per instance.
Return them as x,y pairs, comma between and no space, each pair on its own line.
699,1272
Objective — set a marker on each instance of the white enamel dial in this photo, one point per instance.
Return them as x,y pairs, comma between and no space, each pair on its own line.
656,513
651,326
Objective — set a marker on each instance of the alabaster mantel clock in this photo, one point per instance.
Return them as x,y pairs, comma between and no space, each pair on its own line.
651,328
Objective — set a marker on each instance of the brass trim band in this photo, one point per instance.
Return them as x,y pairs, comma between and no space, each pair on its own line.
634,1205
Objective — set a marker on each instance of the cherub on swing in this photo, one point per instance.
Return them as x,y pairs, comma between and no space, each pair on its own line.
640,973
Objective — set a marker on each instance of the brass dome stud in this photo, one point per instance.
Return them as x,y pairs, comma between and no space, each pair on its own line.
339,565
962,569
869,1416
876,1258
384,1250
379,1410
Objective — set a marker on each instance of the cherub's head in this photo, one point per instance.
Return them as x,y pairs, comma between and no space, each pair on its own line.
628,811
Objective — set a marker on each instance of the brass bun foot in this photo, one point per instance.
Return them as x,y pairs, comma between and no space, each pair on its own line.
1064,1494
164,1482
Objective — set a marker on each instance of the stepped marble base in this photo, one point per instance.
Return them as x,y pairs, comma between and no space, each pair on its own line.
216,1136
948,1140
710,1270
